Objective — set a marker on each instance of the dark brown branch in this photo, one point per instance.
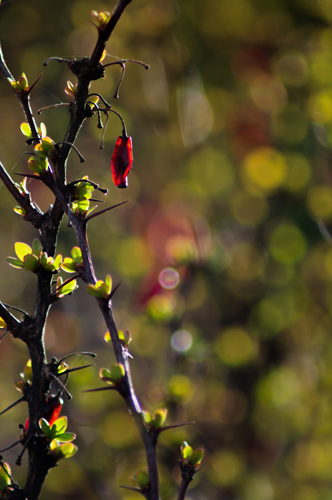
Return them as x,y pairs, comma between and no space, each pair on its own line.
106,33
23,97
187,475
13,325
32,214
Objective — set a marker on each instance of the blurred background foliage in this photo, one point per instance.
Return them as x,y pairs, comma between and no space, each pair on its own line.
223,252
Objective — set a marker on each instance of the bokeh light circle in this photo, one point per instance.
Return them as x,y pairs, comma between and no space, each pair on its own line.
169,278
181,340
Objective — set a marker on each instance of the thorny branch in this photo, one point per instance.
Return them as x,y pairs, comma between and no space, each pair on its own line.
31,328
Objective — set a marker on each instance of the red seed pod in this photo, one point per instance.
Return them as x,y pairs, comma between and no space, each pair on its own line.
122,161
53,409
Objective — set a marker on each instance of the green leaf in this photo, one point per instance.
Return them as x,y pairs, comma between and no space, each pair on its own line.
105,375
91,210
27,372
20,384
37,166
62,367
69,450
68,288
117,372
196,457
108,338
108,282
22,249
92,290
83,205
23,82
68,265
76,254
147,417
15,263
65,437
36,245
66,450
43,259
31,262
187,452
45,427
42,130
142,479
4,476
114,375
60,425
45,148
25,129
20,211
159,418
57,261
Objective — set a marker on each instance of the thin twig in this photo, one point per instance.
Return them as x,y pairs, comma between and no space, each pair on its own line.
105,210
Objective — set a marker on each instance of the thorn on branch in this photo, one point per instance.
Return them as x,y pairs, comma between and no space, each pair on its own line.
114,290
77,368
3,335
92,354
16,309
105,210
63,387
174,426
131,488
110,388
35,82
13,405
72,278
30,176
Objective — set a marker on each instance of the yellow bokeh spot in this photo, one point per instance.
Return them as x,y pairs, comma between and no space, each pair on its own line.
118,430
311,460
298,172
181,388
280,310
319,201
161,307
213,172
134,258
320,107
249,210
279,387
226,468
257,487
180,249
265,168
235,347
287,244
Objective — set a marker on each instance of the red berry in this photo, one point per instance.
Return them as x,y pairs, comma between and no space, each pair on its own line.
122,161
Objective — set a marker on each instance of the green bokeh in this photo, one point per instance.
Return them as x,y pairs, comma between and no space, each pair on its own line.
231,186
